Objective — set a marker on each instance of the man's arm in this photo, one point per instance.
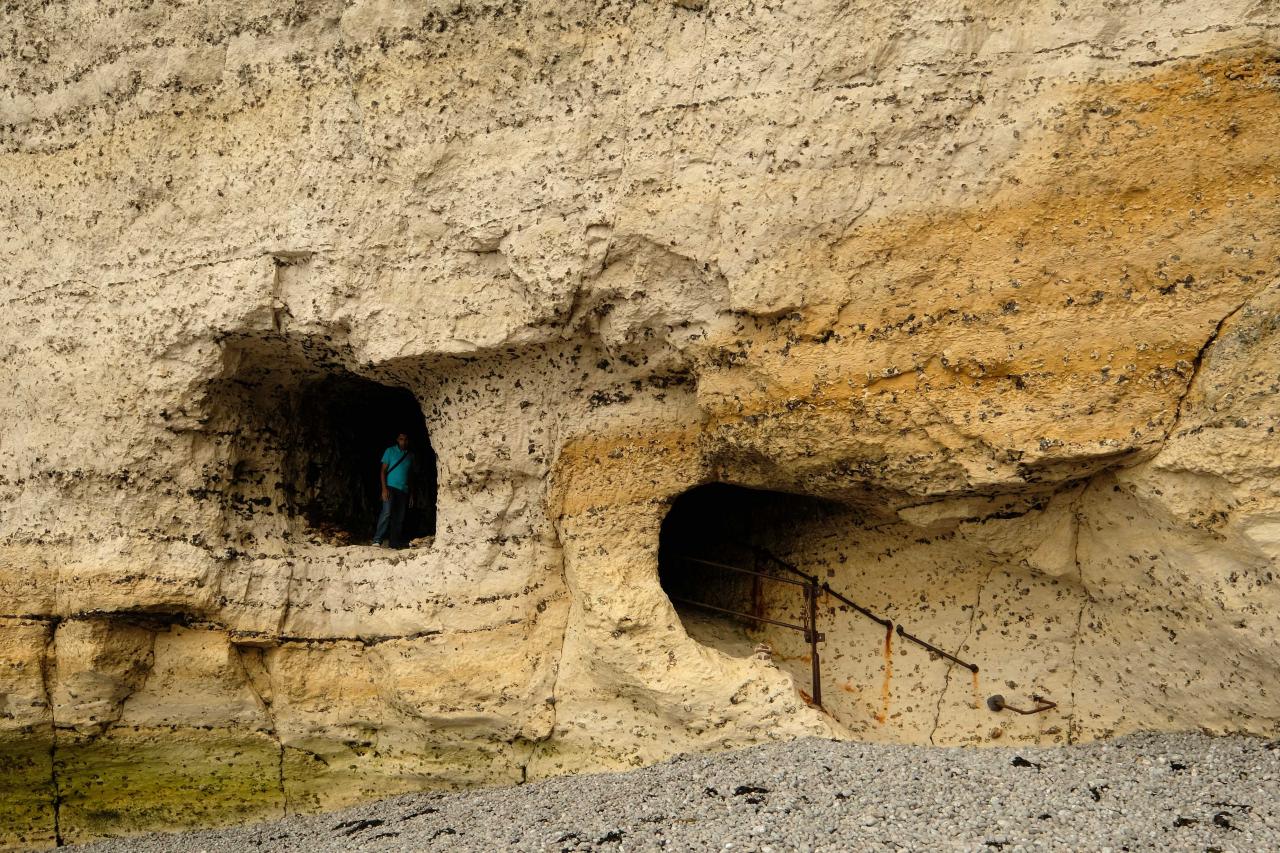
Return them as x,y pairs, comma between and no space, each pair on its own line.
386,495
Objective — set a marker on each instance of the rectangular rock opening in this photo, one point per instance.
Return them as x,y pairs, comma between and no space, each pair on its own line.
345,424
302,439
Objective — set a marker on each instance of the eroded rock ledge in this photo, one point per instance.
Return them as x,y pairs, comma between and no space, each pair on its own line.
983,306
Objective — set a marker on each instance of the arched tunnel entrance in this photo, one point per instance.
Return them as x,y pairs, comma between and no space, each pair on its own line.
717,562
817,587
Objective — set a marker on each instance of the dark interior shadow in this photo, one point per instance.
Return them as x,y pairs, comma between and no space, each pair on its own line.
344,425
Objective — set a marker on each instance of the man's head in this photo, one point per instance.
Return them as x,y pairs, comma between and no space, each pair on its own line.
402,441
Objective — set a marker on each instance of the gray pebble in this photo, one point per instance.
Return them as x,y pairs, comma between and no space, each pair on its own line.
820,795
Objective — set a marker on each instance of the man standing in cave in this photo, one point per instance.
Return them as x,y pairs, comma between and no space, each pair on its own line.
397,465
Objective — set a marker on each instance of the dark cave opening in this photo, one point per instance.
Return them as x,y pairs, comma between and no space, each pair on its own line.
713,538
707,528
344,423
721,563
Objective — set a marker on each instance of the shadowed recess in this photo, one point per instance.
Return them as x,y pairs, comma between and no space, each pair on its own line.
297,440
344,425
714,529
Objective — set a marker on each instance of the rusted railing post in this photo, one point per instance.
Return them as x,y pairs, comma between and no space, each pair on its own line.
812,592
812,589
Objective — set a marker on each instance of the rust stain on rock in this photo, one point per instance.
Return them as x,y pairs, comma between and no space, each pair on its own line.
886,686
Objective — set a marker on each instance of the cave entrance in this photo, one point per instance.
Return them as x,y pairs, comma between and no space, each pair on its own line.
748,571
344,423
717,562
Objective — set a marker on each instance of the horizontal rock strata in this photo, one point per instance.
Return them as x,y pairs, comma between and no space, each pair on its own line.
982,301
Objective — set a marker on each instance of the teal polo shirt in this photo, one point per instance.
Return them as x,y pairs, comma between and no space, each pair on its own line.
399,478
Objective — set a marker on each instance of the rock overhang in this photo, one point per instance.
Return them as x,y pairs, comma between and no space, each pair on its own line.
1009,300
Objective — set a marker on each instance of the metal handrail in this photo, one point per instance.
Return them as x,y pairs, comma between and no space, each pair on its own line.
742,570
887,623
809,629
812,588
706,606
972,667
778,561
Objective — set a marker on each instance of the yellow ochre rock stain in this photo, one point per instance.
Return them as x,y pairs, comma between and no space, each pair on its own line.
1089,282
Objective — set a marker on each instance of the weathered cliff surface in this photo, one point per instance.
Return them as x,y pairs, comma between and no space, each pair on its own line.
998,283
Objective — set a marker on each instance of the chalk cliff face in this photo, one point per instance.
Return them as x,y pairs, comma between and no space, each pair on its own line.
986,297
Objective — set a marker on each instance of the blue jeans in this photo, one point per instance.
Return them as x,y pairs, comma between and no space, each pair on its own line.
391,519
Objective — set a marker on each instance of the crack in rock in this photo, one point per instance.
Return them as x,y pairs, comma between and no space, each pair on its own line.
946,682
1084,603
1198,362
